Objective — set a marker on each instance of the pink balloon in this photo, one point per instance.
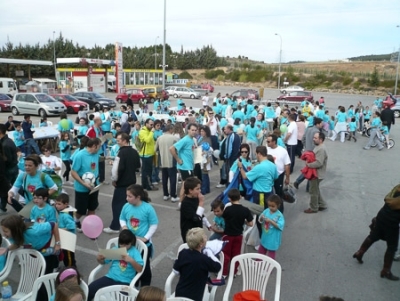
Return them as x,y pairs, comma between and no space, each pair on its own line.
92,226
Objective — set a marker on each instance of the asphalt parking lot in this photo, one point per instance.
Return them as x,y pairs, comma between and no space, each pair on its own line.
316,251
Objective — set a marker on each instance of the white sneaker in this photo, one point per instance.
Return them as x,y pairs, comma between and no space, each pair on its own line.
155,183
70,183
166,198
256,247
110,231
174,200
220,186
105,183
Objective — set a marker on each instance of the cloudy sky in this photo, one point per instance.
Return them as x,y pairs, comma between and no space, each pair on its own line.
311,30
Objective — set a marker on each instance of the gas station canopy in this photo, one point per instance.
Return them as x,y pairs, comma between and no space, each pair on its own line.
25,62
79,60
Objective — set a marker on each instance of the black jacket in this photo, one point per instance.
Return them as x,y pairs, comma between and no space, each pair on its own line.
128,162
388,116
10,152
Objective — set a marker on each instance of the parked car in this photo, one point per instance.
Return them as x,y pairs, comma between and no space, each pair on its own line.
155,92
73,104
208,87
5,103
247,93
133,94
94,99
171,89
291,89
36,104
184,92
195,87
297,96
396,106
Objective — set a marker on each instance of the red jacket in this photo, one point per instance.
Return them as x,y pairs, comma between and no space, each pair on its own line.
308,172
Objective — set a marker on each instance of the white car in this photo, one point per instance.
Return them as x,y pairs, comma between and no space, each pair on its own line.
170,89
183,92
291,89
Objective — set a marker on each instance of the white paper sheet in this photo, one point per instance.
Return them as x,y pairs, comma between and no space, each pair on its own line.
113,254
26,211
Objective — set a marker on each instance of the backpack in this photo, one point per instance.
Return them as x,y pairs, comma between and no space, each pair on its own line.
139,144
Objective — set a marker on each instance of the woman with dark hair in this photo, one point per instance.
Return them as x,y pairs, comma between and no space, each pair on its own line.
30,180
245,159
341,124
252,132
262,125
385,226
205,135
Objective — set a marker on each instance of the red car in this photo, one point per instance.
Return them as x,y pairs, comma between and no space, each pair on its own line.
297,96
5,101
208,87
133,94
70,102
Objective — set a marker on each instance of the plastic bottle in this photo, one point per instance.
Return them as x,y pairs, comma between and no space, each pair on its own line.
6,291
49,251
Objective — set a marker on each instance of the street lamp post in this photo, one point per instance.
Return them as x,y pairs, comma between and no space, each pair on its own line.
280,62
155,53
165,36
54,56
397,69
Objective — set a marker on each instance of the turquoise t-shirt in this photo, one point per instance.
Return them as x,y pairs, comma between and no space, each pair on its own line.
85,162
376,122
3,259
66,221
261,124
269,112
38,235
114,150
66,155
238,114
18,138
251,133
157,133
45,214
32,183
352,126
82,129
341,117
122,271
184,148
271,237
263,176
223,122
139,218
219,222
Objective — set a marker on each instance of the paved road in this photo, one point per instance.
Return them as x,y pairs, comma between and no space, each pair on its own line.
316,249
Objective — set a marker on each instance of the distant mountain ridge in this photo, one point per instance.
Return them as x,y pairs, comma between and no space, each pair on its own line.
372,57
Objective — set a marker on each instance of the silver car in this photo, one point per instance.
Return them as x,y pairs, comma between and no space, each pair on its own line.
36,104
183,92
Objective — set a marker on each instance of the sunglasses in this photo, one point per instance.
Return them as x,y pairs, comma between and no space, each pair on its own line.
244,152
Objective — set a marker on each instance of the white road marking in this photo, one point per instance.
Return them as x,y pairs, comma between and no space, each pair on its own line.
110,196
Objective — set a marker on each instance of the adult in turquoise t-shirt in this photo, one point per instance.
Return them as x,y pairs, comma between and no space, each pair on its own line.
184,149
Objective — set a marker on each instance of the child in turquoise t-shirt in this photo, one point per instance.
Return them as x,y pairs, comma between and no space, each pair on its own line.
219,223
121,271
3,255
272,224
352,128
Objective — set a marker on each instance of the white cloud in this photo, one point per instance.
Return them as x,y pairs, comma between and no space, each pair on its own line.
310,29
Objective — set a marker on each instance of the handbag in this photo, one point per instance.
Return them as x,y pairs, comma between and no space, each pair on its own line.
393,198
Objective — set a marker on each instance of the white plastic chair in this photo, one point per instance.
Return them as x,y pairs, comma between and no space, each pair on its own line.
246,233
208,295
49,281
256,269
178,299
32,266
59,163
140,245
116,293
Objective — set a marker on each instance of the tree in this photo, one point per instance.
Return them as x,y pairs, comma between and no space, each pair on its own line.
374,79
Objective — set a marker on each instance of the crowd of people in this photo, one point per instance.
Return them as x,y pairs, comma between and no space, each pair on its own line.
254,146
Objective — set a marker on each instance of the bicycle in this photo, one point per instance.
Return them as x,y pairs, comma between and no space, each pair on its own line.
382,138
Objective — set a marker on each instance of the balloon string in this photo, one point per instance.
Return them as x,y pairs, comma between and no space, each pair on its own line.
97,244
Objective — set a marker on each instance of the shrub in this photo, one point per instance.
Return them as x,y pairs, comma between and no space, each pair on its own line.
347,81
212,74
185,75
243,78
389,83
220,78
357,85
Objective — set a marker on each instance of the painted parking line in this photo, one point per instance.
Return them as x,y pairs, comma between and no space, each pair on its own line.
110,196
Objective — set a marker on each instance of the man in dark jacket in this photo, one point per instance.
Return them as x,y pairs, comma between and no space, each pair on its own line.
123,175
11,162
232,148
387,115
28,134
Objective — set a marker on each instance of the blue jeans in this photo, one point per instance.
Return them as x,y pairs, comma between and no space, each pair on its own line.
147,168
300,179
31,143
291,149
155,175
205,183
